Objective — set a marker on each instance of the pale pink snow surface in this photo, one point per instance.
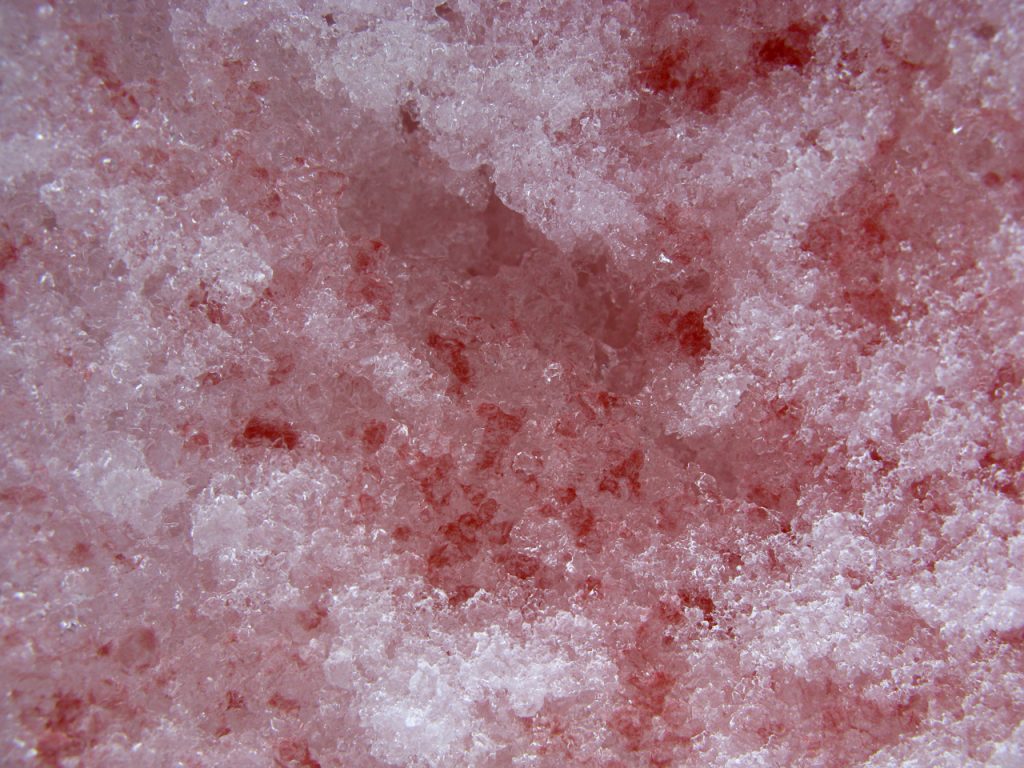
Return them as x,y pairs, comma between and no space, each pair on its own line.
522,383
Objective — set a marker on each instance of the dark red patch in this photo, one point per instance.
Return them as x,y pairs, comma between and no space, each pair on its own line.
8,253
311,618
566,495
65,734
463,538
790,48
660,75
699,600
199,299
294,754
451,352
582,522
608,401
887,464
283,367
138,649
461,594
650,688
703,92
626,472
435,479
272,434
521,566
374,435
688,330
120,97
440,557
283,703
499,429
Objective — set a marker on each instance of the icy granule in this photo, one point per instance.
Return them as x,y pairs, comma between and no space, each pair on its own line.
512,384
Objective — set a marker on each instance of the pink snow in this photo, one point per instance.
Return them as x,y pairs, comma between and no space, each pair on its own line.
512,384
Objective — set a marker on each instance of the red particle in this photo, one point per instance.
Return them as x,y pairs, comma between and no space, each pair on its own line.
235,700
329,19
374,435
274,434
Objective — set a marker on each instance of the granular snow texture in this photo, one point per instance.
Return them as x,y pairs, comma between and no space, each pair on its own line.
527,384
